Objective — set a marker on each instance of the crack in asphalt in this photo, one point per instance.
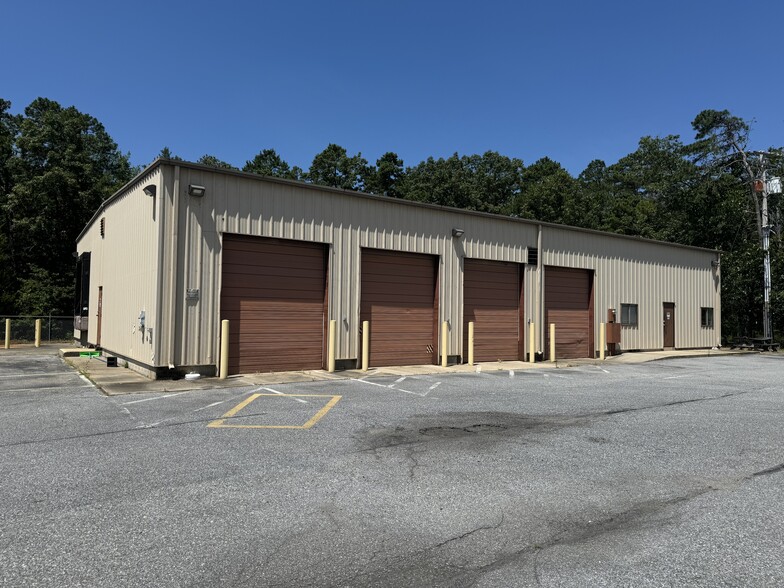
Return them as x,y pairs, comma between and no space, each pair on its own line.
492,527
666,404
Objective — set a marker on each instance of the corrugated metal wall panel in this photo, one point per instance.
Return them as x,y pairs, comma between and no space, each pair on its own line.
124,263
244,206
646,274
627,271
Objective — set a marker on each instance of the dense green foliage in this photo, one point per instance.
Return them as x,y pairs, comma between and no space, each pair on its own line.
57,165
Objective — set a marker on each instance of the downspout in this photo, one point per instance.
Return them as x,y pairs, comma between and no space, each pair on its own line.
539,294
157,346
173,269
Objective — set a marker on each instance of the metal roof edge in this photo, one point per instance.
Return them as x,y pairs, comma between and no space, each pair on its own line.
355,194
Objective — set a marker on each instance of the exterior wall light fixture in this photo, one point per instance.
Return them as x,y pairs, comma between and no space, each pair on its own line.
197,191
457,233
150,190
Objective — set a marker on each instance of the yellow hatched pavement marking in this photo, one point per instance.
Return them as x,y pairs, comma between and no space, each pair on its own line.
221,422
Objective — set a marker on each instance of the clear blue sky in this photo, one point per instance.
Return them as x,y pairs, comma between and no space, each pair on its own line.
574,81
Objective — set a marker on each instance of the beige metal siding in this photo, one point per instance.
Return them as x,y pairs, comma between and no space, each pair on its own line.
241,205
190,231
648,274
124,262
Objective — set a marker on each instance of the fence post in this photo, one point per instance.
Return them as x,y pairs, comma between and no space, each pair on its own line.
8,333
38,331
50,326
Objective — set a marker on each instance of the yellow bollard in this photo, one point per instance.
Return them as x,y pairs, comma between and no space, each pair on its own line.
365,345
224,350
8,333
37,332
531,343
471,343
444,341
331,349
552,342
602,336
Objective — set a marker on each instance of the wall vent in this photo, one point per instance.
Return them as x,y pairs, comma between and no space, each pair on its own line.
103,227
533,256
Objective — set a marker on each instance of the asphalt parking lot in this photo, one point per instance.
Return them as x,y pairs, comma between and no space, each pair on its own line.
660,474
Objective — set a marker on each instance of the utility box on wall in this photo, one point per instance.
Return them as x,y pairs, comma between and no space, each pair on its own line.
612,333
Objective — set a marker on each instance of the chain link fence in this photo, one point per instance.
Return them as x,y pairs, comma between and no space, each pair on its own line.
53,328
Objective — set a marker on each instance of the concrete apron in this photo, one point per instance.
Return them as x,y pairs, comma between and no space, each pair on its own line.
120,380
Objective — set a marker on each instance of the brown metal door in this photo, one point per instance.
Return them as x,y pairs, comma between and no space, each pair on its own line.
568,299
99,316
399,297
274,295
669,324
492,296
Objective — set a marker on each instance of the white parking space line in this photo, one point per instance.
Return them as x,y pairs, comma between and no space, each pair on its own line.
210,405
46,388
151,425
34,374
153,398
282,394
396,382
676,377
393,387
604,370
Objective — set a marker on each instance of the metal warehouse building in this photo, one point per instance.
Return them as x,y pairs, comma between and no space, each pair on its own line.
183,246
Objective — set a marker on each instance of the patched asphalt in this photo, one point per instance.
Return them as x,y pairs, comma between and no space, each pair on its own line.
659,474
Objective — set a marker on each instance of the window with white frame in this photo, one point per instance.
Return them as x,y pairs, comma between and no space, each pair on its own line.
706,317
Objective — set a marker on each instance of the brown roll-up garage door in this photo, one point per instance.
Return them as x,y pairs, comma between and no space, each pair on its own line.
399,298
568,302
274,294
492,296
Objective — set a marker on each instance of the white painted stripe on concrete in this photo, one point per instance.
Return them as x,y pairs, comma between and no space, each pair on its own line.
434,386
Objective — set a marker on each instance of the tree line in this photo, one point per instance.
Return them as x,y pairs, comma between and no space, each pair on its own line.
57,165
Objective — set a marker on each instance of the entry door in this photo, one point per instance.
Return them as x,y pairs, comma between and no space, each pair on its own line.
669,324
100,312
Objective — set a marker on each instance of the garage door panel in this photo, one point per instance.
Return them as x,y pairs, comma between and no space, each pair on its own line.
273,293
297,272
568,304
491,299
398,298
